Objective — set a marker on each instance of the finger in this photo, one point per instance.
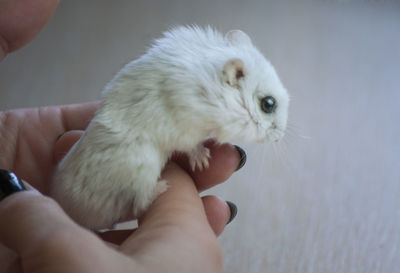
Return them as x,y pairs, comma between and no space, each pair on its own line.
65,143
44,237
181,196
176,215
218,213
78,116
27,216
224,160
21,20
34,225
26,222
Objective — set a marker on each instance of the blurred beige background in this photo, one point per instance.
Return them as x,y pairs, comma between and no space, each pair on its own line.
326,199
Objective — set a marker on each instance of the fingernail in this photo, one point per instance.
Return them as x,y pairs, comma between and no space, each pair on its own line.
59,136
9,184
233,209
243,157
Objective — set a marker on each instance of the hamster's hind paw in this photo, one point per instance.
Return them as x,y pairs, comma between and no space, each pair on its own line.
198,157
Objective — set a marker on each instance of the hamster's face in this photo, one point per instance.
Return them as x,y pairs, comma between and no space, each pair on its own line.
267,102
260,100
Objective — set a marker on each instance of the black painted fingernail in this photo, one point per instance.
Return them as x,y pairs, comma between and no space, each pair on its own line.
9,184
243,157
233,209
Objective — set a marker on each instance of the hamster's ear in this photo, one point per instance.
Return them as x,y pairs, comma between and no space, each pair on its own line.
233,71
238,37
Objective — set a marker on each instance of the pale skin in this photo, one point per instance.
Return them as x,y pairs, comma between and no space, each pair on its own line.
177,234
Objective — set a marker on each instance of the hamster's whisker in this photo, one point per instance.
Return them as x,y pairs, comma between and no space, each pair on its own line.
293,131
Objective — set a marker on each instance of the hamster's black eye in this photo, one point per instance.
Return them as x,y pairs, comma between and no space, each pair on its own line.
268,104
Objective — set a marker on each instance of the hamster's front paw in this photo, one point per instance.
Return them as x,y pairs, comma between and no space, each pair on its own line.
198,157
162,186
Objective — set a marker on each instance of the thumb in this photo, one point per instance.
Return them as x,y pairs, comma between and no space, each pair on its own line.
29,220
46,239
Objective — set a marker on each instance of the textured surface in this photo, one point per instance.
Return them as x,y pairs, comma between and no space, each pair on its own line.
323,200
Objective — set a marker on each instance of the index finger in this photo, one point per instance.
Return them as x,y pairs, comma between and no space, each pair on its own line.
178,209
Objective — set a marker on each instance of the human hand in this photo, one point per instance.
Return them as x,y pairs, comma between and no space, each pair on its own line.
174,235
36,147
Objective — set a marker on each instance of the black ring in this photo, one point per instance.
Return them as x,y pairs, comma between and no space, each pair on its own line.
9,184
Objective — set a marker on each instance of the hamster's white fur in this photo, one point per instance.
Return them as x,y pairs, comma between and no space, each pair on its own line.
191,85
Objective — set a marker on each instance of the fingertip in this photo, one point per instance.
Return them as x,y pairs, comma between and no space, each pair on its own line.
218,213
25,20
65,142
223,162
226,155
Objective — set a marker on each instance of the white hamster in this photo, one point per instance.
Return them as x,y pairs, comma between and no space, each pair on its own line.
192,84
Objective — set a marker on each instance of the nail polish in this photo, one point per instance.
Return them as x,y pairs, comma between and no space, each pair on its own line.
243,157
233,209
